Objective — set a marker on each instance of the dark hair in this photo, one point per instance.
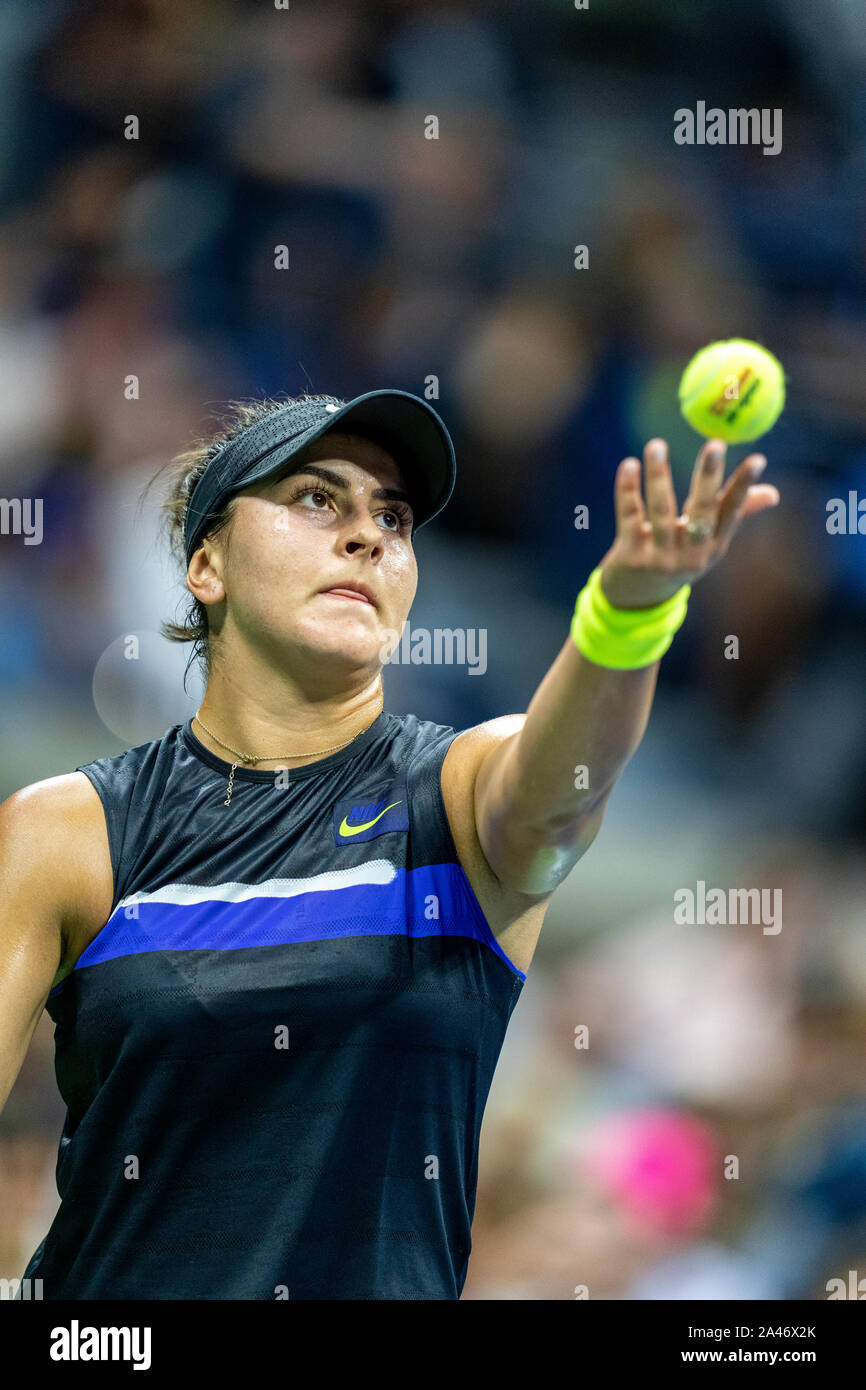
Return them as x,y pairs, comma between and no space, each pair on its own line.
184,471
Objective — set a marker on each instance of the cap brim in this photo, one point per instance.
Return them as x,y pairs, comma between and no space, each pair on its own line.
407,427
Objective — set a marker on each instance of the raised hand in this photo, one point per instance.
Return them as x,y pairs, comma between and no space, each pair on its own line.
658,549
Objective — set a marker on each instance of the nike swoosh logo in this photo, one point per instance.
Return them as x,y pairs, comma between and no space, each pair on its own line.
347,829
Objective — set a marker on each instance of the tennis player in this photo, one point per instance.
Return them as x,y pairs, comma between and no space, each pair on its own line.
281,944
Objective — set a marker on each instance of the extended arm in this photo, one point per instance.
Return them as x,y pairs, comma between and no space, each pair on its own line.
536,810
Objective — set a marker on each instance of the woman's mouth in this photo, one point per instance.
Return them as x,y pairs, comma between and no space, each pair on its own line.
351,594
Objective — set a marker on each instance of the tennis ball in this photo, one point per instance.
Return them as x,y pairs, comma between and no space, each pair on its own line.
733,390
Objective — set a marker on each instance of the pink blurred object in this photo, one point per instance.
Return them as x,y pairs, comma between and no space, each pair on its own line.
662,1167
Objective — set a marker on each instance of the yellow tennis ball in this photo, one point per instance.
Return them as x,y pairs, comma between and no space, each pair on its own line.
733,390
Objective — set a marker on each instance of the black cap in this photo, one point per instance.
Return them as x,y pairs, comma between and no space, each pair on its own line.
403,424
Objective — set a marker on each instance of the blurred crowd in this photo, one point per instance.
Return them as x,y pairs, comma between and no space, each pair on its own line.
710,1140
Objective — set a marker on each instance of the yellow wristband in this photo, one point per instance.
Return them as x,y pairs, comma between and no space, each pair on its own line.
624,638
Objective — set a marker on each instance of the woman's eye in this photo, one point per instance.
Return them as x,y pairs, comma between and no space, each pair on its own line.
401,519
321,498
315,493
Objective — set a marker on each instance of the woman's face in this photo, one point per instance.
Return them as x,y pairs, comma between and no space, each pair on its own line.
291,537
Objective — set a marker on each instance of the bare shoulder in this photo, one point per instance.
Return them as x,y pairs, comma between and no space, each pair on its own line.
56,858
56,804
514,918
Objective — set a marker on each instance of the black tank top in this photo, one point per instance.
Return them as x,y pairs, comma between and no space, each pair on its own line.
276,1053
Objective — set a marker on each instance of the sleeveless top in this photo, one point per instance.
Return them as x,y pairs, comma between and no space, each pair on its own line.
276,1053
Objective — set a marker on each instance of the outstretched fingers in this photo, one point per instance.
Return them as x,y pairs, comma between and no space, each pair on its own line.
628,501
702,502
661,498
710,514
740,498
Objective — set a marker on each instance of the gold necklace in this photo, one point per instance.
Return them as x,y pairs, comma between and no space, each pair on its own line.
272,757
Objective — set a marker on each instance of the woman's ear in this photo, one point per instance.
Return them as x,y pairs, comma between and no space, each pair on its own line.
204,574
